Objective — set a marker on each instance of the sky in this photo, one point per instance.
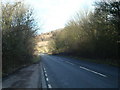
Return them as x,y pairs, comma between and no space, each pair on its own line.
54,14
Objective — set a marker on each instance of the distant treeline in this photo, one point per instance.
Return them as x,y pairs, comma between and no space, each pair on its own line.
18,32
91,34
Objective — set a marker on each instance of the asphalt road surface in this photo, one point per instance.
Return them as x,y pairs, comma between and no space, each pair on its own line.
61,72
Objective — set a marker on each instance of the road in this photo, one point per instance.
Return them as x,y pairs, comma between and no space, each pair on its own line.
61,72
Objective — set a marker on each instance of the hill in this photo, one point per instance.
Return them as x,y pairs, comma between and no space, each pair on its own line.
43,39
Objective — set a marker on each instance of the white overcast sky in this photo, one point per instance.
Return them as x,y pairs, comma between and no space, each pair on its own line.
54,14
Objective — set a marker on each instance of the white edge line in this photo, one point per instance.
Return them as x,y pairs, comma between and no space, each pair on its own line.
46,79
45,74
93,71
49,86
44,69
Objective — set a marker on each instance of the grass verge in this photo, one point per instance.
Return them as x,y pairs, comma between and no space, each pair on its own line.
35,60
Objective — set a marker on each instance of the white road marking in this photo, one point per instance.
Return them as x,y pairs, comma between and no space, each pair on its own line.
70,63
93,71
46,79
45,74
49,86
44,69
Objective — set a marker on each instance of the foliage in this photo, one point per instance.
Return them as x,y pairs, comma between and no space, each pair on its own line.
18,32
92,34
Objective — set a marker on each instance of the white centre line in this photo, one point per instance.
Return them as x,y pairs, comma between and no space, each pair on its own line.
70,63
49,86
93,71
